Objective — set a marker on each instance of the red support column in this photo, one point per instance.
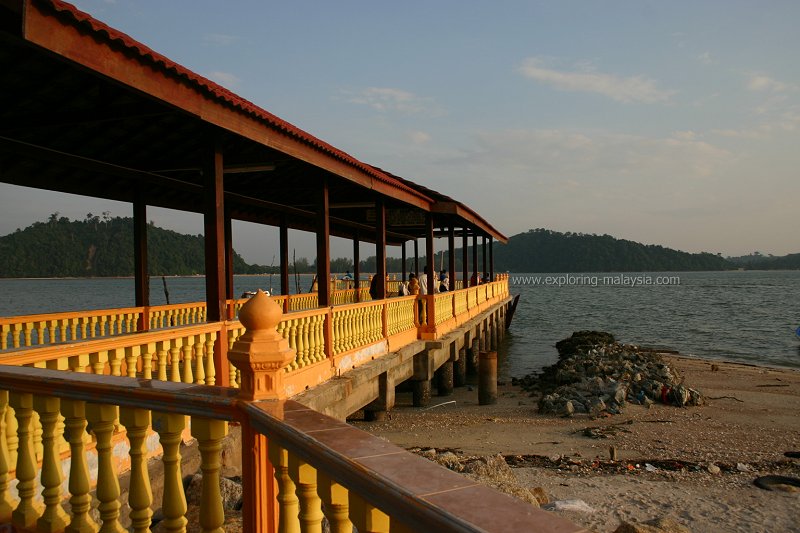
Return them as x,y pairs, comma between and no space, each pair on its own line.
464,258
284,260
475,257
141,276
451,256
380,247
356,266
229,266
323,247
431,261
214,223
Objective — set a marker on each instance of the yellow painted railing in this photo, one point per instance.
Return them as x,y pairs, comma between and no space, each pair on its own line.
35,330
185,353
322,467
401,314
357,325
443,303
178,355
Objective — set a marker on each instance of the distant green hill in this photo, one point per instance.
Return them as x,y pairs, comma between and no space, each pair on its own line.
101,247
541,250
757,261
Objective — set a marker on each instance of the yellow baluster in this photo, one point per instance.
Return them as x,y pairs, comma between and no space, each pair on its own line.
113,320
61,324
12,437
335,500
27,512
80,502
78,363
54,518
6,506
102,326
102,418
188,347
16,333
288,504
169,427
162,349
5,329
367,518
148,352
211,371
132,354
27,328
98,362
137,422
209,435
175,360
115,356
302,342
199,367
304,477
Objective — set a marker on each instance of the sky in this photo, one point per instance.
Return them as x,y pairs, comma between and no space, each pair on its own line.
673,123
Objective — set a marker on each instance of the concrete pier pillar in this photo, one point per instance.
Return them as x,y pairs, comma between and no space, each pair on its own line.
487,378
472,358
376,410
444,379
374,416
421,392
460,369
493,341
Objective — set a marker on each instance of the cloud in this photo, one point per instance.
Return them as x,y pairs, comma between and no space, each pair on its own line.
627,90
419,137
225,79
219,39
705,58
391,99
761,83
685,135
739,134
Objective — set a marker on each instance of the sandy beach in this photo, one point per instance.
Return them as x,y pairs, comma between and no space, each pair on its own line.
693,464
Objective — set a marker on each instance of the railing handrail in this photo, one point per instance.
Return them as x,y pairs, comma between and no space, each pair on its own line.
372,483
26,356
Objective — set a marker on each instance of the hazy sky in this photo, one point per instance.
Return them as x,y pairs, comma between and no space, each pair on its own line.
673,123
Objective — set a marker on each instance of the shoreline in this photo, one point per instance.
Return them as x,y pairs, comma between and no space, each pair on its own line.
748,422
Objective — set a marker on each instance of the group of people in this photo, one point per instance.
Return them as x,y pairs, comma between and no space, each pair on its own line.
419,284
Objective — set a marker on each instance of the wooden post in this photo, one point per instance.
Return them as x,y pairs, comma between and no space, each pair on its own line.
229,266
451,256
483,251
416,257
491,258
380,247
356,266
140,273
464,258
214,223
429,274
403,259
323,246
475,257
284,260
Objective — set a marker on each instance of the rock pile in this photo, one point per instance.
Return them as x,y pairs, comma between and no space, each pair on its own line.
597,375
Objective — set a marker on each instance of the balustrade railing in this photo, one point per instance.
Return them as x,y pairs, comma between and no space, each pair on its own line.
322,467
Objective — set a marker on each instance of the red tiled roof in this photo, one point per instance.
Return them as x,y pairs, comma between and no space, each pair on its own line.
115,37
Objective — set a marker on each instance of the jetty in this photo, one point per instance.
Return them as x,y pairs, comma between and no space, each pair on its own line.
88,395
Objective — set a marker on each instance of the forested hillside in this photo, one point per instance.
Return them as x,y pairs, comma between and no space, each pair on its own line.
99,246
103,246
541,250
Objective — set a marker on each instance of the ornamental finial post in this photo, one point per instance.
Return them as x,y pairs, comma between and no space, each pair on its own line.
261,354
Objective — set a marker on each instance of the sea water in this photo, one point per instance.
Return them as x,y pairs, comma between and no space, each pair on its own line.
749,316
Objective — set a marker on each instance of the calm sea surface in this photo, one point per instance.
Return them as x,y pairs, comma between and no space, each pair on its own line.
748,317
